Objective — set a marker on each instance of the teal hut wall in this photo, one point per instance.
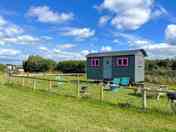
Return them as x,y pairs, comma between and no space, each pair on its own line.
128,71
97,73
94,73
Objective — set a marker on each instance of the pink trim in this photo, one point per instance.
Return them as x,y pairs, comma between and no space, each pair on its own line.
122,61
93,62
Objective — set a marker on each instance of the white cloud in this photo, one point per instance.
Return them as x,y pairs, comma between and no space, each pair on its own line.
12,29
42,48
25,39
148,45
2,21
9,29
21,39
131,19
170,34
47,37
46,15
116,41
11,56
85,52
123,5
11,33
131,14
160,11
93,51
61,54
103,20
64,55
154,50
141,42
66,46
79,33
8,52
106,48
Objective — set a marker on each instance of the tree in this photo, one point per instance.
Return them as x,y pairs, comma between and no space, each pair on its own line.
38,64
173,65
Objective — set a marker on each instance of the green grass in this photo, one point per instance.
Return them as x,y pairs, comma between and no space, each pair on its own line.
57,110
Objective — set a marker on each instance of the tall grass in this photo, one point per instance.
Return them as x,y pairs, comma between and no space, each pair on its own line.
25,110
161,76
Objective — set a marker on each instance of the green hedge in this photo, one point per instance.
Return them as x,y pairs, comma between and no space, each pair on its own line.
40,64
71,66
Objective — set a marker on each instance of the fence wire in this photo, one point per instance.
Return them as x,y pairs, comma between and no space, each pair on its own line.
69,86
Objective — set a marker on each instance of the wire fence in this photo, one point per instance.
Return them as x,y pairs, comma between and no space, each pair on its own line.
74,85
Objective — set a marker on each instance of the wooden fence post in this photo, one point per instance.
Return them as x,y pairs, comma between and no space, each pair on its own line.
23,81
101,92
78,86
144,98
50,85
34,84
8,78
14,80
17,81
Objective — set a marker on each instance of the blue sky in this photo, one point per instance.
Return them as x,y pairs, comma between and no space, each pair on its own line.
70,29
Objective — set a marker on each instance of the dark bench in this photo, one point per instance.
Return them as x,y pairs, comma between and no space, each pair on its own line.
171,96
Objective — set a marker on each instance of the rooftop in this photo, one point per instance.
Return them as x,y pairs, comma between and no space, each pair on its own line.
118,53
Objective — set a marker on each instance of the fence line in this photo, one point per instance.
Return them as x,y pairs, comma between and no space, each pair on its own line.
52,74
101,93
54,80
50,81
78,81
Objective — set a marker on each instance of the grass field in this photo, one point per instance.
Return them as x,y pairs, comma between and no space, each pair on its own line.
57,110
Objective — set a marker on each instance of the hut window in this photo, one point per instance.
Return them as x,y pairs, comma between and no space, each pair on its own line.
95,62
125,61
122,61
119,62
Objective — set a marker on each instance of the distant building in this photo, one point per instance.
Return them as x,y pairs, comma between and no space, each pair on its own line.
109,65
14,69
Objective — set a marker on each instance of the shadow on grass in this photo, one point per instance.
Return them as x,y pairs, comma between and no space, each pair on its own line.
154,96
135,94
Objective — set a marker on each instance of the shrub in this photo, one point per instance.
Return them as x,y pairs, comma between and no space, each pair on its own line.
71,66
2,68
